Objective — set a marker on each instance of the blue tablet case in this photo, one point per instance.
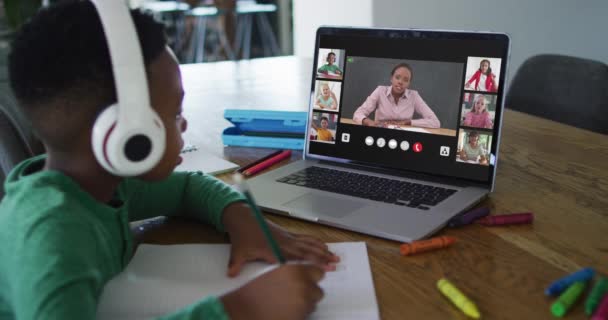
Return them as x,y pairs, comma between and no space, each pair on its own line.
265,129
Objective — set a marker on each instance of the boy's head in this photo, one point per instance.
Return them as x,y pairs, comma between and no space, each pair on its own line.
61,73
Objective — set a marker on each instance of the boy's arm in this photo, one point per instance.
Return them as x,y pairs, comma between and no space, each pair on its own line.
56,275
191,194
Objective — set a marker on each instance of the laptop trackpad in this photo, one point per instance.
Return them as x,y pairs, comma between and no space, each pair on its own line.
324,205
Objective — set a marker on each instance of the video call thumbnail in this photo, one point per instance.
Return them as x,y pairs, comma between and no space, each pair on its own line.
327,95
474,147
412,95
478,110
330,64
323,127
482,74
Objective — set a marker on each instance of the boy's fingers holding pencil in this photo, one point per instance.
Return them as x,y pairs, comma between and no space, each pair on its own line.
237,261
312,253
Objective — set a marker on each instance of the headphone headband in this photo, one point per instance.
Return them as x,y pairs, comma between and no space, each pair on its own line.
127,59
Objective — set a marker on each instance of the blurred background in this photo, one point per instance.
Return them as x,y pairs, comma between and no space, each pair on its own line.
558,47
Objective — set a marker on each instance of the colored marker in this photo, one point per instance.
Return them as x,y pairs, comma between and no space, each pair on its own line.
458,298
468,217
560,285
267,163
507,219
602,311
567,299
595,297
426,245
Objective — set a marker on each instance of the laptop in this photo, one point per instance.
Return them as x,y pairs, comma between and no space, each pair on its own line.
403,131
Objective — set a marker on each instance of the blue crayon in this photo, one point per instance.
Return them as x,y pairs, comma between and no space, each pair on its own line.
468,217
562,284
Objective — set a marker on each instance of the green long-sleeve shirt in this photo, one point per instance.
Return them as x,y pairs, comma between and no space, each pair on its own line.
59,246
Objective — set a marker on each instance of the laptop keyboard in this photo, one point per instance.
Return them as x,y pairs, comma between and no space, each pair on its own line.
398,192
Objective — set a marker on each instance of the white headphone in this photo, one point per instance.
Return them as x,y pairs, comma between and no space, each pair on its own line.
128,137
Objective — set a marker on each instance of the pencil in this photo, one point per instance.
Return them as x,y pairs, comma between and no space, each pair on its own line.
240,181
249,165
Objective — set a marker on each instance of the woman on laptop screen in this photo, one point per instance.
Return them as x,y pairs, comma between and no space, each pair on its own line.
395,105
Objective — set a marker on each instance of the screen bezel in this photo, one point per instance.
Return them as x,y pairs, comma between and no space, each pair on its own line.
416,34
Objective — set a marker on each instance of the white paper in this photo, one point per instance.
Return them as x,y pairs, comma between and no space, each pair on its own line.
197,159
162,279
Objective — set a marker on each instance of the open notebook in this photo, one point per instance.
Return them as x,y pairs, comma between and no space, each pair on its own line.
161,279
197,159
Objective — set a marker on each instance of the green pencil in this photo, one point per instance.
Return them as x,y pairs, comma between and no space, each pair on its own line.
240,182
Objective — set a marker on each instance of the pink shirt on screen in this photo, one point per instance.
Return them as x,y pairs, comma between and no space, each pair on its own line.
478,120
382,101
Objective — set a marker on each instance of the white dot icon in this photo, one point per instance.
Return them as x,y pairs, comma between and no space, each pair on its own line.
369,141
380,142
392,143
405,145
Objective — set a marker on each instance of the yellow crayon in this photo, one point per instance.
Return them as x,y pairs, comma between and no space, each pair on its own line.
458,298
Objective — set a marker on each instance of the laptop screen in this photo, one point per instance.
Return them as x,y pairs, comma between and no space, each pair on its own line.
411,100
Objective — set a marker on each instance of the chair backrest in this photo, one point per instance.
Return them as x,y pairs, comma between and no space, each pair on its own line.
565,89
17,142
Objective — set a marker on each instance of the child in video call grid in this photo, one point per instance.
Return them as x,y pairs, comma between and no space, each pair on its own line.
483,79
326,99
64,221
330,67
472,150
323,134
478,117
396,104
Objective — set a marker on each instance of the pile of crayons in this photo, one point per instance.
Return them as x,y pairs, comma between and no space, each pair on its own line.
571,287
481,216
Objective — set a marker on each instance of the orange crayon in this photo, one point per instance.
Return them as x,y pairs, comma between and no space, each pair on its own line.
426,245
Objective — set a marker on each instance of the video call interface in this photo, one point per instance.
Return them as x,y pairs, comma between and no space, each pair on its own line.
425,105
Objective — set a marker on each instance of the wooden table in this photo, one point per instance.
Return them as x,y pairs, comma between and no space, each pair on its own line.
558,172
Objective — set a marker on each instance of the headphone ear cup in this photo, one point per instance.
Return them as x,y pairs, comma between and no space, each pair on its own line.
128,149
102,129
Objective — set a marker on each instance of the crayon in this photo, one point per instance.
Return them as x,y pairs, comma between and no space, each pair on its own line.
602,311
567,299
256,162
595,297
267,163
507,219
426,245
458,298
468,217
560,285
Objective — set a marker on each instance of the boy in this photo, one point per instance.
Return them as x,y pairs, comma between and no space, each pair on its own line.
64,228
330,66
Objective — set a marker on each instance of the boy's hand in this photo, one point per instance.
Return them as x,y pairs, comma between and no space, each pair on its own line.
288,292
249,243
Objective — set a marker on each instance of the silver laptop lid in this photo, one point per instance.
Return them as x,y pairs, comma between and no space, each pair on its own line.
423,101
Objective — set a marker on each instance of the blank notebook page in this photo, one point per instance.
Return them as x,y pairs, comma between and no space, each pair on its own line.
161,279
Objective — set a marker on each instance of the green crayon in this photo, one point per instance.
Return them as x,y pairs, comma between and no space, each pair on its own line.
567,299
595,297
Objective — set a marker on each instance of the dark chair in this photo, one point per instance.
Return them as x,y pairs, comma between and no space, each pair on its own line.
17,143
565,89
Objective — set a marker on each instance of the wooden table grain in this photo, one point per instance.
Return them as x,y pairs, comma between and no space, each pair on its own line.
556,171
